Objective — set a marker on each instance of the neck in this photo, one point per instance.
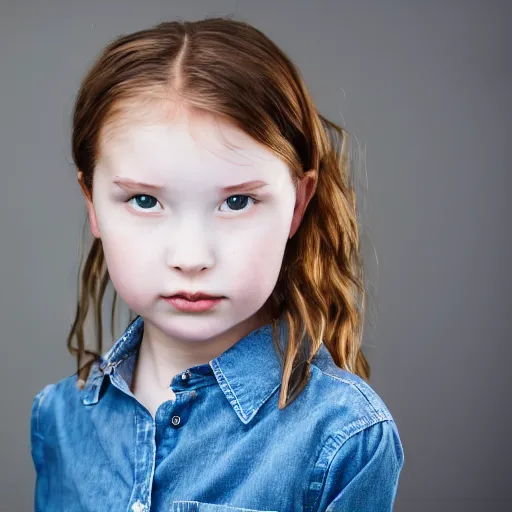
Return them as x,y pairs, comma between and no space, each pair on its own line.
161,357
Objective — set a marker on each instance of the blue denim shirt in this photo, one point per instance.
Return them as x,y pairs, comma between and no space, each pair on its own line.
222,445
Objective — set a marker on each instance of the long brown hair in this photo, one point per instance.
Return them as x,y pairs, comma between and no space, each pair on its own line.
231,69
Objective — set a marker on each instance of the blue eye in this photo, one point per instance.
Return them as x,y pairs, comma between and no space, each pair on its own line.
238,202
144,201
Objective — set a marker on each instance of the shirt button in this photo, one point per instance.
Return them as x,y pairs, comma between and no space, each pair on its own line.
138,507
175,421
185,375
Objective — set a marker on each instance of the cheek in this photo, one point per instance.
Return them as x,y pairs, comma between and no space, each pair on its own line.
256,263
126,249
129,267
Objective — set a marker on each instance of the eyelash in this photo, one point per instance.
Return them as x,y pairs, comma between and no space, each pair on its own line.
256,201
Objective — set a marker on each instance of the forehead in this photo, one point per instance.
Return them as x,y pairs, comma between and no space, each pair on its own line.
157,136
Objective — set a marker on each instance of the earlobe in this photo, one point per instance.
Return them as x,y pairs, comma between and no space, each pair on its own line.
91,214
93,221
306,188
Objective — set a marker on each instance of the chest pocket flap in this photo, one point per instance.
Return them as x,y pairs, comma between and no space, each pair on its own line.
197,506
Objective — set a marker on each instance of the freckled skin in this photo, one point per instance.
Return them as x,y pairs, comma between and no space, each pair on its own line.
191,238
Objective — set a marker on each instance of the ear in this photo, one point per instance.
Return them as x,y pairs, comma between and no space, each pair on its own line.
306,188
93,221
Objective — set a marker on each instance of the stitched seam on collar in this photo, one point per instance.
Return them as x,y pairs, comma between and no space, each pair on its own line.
120,344
228,390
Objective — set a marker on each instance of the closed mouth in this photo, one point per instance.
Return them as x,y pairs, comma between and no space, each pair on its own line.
195,298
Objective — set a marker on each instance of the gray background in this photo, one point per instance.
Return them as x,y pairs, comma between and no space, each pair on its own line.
425,87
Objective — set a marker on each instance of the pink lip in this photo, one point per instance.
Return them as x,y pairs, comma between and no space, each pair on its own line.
192,306
195,295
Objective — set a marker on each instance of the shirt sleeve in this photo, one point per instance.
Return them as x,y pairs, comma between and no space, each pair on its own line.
35,435
37,446
363,475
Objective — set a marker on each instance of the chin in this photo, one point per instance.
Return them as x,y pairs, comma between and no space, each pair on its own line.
194,326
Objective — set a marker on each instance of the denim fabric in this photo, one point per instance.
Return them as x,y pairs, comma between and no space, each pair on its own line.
222,446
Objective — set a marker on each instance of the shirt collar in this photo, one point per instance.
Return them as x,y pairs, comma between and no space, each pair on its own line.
248,373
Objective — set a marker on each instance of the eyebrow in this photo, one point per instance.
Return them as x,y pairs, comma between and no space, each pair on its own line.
241,187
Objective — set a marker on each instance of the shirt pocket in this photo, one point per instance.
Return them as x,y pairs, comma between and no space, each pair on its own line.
197,506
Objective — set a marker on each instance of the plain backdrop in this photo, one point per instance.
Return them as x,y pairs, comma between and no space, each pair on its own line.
425,88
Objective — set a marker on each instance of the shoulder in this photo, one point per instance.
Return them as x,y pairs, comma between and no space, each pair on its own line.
50,416
348,393
360,439
51,401
355,418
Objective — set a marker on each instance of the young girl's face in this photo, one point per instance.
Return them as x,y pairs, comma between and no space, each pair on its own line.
181,230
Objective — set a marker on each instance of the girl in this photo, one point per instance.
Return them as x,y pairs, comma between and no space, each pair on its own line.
223,215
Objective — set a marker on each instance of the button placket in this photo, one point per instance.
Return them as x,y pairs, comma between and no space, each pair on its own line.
181,385
144,461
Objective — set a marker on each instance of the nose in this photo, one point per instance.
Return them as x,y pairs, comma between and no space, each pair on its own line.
189,249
